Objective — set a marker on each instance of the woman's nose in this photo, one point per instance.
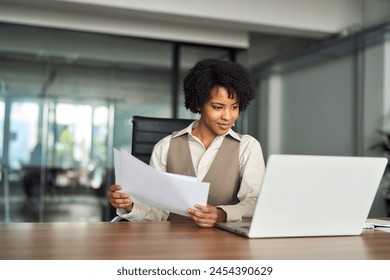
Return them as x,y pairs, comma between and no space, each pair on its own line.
227,114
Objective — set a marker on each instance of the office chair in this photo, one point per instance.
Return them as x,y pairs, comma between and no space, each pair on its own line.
147,131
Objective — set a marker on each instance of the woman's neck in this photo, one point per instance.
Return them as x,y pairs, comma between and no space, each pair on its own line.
205,135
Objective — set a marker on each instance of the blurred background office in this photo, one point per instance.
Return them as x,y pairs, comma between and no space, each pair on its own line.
74,72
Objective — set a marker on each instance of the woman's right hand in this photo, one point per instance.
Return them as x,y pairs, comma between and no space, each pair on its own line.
118,199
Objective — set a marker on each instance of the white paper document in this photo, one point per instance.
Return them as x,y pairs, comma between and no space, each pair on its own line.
167,191
383,225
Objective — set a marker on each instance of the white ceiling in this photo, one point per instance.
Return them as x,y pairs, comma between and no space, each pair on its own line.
215,22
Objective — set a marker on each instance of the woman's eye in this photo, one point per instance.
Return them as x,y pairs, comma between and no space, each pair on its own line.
217,107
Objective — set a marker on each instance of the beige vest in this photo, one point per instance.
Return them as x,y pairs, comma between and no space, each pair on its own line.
224,178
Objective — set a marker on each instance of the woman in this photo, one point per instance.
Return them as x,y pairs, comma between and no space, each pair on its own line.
209,149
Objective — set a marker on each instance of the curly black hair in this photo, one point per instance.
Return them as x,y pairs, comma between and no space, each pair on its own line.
208,73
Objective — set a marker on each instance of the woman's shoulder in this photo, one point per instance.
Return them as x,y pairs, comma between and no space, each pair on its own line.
249,144
248,139
164,142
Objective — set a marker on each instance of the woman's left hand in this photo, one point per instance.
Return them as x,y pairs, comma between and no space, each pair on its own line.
207,216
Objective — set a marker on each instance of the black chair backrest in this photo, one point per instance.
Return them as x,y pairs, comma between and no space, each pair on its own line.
147,131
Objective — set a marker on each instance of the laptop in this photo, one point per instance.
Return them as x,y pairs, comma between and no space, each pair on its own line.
305,195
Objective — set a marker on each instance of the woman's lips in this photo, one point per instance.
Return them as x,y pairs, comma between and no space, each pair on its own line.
224,126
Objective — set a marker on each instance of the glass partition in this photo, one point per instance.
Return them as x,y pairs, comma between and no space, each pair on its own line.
67,99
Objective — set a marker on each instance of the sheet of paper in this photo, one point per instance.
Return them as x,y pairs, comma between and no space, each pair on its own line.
170,192
379,222
117,166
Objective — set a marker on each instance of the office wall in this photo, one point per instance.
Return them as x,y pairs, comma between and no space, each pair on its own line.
318,109
311,110
376,94
331,101
376,109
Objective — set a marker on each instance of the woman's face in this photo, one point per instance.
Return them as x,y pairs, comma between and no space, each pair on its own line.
220,112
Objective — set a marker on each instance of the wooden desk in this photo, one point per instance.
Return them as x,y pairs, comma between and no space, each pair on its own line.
174,240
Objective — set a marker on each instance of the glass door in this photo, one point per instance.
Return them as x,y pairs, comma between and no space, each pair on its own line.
76,161
55,160
78,144
21,158
4,188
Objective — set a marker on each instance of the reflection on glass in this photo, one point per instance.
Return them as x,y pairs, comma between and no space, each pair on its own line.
73,135
2,183
71,97
24,152
23,134
148,107
99,144
79,149
1,127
